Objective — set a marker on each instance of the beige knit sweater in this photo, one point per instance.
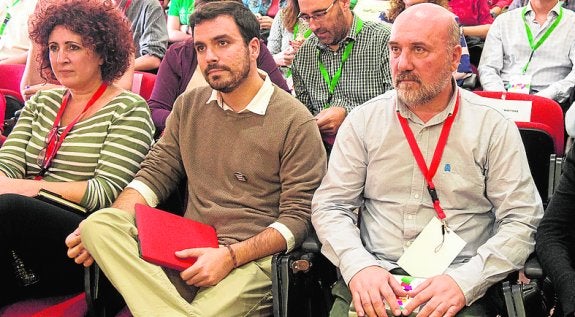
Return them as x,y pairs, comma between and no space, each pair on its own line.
244,171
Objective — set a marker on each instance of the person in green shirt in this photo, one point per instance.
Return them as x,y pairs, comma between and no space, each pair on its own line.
178,19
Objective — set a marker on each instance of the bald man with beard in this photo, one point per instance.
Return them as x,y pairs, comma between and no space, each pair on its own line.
427,155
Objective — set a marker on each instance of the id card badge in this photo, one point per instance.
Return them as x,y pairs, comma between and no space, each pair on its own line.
431,252
520,84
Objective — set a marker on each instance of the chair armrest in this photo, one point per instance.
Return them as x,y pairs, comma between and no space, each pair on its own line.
91,279
302,280
532,268
470,82
311,243
102,299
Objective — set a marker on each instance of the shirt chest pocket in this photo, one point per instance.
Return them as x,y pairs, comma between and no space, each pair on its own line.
458,183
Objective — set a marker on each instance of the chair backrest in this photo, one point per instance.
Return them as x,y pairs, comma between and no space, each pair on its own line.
11,75
2,108
543,137
143,84
546,115
13,104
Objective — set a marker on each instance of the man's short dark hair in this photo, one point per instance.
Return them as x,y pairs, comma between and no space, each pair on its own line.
244,18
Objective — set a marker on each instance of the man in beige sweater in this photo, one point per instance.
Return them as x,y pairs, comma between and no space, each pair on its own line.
252,156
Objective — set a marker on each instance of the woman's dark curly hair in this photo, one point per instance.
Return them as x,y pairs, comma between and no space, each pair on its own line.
397,6
102,26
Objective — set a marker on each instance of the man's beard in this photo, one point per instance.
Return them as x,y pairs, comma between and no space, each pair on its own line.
339,32
228,85
426,92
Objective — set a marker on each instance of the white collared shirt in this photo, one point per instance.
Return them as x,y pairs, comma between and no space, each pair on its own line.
507,51
258,104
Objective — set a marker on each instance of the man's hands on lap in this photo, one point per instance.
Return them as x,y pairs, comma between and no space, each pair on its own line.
370,287
212,266
329,120
441,296
76,249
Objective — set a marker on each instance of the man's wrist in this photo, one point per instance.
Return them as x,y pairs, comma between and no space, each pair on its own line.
232,255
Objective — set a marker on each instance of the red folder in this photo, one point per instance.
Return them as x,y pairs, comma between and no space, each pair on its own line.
161,234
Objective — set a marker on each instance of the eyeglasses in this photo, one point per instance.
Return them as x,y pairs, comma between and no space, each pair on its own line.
318,16
51,145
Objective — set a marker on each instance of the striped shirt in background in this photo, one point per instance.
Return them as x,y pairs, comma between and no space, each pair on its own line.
105,149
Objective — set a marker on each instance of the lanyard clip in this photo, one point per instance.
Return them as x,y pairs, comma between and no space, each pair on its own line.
444,230
444,227
432,193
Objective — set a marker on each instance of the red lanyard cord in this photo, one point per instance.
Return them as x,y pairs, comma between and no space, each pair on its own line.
126,6
53,141
430,173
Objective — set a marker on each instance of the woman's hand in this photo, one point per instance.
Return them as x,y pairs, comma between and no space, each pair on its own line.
296,44
24,187
31,90
285,58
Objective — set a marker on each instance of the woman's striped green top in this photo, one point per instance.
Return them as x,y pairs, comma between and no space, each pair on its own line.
105,149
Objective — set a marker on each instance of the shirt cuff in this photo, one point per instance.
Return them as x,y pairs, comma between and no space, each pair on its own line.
286,233
549,94
146,192
473,286
354,261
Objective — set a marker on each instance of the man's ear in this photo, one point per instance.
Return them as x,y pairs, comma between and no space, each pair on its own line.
254,47
456,57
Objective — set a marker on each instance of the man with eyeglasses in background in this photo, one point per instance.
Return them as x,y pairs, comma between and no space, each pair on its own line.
342,65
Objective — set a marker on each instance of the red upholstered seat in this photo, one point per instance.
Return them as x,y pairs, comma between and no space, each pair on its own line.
546,114
11,75
143,83
59,306
543,137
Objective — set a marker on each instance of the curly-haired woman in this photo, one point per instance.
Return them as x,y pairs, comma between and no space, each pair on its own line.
83,142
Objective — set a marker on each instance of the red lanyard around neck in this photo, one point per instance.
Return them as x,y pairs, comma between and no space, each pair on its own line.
126,6
54,142
429,173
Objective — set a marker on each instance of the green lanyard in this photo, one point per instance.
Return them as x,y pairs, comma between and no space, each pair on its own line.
7,17
333,81
535,46
306,34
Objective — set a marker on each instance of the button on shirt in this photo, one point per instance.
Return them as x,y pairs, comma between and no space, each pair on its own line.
483,182
364,75
507,51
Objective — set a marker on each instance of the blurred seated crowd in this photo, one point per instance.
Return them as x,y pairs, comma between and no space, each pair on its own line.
283,117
